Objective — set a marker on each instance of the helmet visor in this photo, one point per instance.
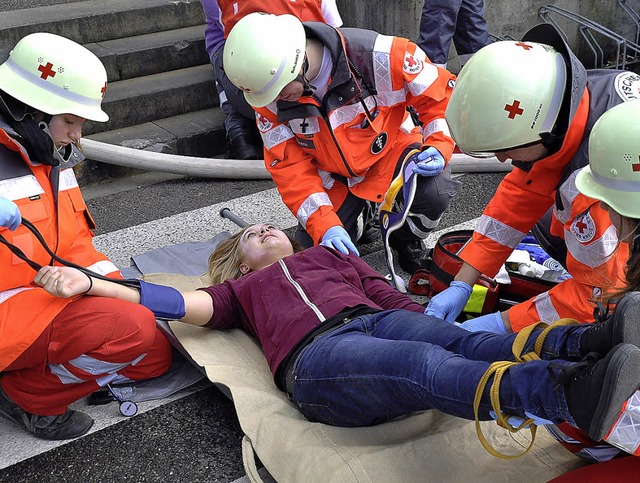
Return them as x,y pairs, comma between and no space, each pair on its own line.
490,154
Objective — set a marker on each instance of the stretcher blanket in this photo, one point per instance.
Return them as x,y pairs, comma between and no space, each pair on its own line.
428,446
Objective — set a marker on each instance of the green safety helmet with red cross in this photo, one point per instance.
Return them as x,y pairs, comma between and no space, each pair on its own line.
613,174
262,54
56,76
506,96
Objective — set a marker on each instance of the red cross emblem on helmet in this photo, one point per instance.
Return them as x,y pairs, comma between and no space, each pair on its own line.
514,109
46,71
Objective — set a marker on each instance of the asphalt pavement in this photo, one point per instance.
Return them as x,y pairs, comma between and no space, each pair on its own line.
195,435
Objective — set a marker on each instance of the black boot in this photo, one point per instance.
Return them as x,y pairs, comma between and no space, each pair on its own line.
69,425
596,391
623,326
411,254
242,146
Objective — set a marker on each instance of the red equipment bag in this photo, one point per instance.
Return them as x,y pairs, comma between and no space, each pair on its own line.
488,295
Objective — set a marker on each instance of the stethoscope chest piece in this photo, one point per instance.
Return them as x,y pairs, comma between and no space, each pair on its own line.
128,408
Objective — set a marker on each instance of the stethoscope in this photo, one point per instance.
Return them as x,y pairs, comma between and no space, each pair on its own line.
127,408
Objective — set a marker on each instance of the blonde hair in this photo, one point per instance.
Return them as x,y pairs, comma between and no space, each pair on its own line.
224,262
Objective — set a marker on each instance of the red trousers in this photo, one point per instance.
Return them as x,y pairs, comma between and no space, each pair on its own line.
92,342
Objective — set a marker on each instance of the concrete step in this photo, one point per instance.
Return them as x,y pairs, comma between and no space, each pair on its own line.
199,133
148,54
98,20
161,94
143,99
6,5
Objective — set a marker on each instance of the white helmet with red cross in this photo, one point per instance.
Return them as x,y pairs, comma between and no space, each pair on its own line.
56,76
506,96
262,54
613,174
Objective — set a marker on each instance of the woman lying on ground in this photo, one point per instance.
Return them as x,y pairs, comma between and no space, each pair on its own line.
349,350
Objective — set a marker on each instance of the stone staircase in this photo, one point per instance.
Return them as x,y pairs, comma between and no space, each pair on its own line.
161,94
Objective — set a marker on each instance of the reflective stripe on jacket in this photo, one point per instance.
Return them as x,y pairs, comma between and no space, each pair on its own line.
25,309
595,258
311,142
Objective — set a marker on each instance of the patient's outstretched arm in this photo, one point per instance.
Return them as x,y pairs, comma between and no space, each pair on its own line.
194,308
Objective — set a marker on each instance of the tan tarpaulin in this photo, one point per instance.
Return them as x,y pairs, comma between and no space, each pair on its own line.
429,446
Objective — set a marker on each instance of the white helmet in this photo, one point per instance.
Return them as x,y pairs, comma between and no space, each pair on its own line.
506,96
56,76
613,174
262,54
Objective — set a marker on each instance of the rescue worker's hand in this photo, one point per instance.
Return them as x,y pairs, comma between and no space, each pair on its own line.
9,214
337,237
489,323
448,304
428,162
63,282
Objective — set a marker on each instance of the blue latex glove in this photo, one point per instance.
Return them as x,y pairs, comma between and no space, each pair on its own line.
337,237
448,304
165,302
516,421
489,323
428,162
9,214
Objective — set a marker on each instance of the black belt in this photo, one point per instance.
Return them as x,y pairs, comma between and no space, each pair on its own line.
286,375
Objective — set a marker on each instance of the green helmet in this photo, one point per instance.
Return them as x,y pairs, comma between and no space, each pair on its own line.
613,174
56,76
506,96
262,54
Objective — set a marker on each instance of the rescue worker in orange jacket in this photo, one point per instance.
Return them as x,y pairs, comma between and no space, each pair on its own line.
534,103
333,109
55,351
243,138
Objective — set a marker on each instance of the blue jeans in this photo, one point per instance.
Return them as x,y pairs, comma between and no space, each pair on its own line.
384,365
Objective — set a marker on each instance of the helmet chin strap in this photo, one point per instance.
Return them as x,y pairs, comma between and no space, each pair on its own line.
44,125
307,87
552,142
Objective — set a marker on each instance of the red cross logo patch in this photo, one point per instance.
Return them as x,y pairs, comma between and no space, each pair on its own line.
46,71
627,85
583,228
263,123
411,64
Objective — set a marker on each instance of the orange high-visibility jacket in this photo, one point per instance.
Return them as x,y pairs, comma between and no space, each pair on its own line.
595,257
26,309
231,11
310,142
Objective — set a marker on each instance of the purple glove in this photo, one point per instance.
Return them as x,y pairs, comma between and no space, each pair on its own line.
428,162
9,214
448,304
337,238
489,323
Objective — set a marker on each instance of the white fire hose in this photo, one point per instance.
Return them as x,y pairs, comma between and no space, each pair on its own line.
233,168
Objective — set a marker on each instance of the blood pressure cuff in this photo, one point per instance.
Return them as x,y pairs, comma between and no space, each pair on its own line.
488,295
165,302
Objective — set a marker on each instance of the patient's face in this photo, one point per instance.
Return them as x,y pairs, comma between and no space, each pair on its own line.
261,245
